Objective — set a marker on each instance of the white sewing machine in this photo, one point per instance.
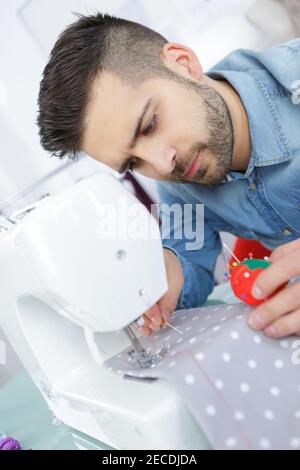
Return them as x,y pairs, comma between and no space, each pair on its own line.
70,289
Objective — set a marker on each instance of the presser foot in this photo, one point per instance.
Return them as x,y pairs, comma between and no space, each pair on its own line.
144,358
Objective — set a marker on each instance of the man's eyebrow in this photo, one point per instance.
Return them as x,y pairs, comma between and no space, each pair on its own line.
137,129
135,134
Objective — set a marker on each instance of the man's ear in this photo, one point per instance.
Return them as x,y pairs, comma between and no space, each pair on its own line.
182,60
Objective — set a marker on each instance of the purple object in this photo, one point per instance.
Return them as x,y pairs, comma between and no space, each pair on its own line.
9,444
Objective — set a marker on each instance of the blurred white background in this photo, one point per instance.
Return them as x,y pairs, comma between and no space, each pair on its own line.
28,30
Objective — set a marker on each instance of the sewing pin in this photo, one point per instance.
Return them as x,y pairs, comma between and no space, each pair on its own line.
174,328
232,254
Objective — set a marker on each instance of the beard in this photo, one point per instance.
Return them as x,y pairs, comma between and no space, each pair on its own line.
218,150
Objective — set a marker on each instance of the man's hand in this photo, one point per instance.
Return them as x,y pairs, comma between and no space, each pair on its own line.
161,312
280,315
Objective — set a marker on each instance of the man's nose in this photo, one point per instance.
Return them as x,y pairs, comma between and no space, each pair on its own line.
162,160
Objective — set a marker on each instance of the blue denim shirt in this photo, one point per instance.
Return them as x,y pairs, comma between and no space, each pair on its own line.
264,202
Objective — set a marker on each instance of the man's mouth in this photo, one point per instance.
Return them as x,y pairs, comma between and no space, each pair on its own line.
194,167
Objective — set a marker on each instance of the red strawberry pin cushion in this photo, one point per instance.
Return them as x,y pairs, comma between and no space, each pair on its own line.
243,276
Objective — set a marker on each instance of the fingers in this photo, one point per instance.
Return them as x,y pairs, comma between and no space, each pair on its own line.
167,307
279,315
285,326
277,274
284,250
167,304
145,326
150,321
160,313
285,301
154,316
144,330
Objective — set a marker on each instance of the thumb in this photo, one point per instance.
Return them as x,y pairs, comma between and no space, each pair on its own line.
167,305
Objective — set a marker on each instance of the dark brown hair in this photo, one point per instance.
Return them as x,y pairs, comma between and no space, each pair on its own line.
84,49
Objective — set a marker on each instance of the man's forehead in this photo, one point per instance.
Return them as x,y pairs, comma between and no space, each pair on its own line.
107,82
113,110
108,112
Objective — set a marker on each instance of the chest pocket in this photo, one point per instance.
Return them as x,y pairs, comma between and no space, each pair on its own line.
281,187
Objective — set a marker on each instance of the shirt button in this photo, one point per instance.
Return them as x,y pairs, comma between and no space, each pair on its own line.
252,186
287,232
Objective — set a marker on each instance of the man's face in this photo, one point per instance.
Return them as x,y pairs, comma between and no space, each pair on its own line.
167,130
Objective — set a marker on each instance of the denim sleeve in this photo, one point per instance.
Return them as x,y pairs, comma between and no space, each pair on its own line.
198,264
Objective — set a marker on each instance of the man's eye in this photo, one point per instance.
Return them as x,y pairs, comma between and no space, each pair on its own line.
152,126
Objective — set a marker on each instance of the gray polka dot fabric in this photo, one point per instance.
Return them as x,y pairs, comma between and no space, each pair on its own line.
242,387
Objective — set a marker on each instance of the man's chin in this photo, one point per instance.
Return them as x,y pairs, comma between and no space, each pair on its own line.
212,176
206,180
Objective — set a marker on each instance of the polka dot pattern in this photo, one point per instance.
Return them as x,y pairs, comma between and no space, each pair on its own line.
268,414
199,356
226,357
239,415
234,335
240,385
244,387
231,442
219,384
210,410
190,379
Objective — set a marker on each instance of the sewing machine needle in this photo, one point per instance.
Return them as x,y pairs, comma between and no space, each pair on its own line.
133,338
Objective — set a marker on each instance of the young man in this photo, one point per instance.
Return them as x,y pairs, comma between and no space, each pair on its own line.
229,139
